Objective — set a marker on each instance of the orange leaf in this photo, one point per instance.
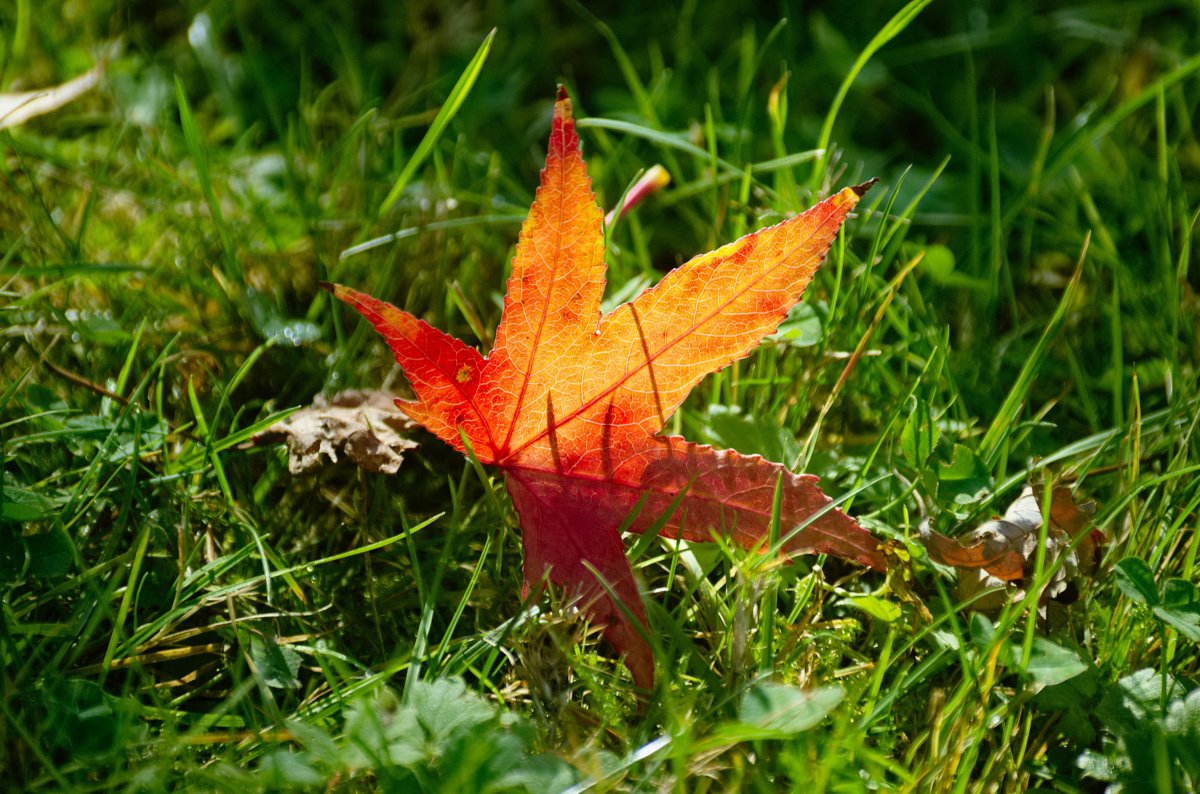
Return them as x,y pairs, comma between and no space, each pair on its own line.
569,403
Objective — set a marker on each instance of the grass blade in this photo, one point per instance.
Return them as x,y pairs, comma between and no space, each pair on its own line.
893,28
1002,425
453,102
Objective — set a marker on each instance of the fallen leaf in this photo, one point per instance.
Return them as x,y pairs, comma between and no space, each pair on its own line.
20,107
363,426
568,403
1002,552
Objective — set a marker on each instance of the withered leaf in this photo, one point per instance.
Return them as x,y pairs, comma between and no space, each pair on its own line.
18,108
1003,551
364,426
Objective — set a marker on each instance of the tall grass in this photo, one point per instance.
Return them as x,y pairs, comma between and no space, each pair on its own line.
1015,304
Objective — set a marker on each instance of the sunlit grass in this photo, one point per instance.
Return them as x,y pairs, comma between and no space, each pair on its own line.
1016,300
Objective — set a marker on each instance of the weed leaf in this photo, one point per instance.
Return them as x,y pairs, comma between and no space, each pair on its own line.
1136,580
786,710
1050,663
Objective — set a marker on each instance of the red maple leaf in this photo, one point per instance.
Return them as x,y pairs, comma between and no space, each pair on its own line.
569,402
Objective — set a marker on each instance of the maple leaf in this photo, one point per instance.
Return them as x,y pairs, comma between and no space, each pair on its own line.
569,403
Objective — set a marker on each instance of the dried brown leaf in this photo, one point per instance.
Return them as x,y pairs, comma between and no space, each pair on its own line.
1003,551
364,426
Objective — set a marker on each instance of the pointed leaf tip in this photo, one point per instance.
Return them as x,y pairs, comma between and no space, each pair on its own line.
328,286
862,189
562,105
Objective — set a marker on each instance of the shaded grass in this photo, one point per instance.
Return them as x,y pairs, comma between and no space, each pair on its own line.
178,607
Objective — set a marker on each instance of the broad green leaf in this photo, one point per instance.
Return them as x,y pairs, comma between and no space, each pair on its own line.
920,435
1136,581
1183,732
12,553
445,707
1049,663
50,554
1097,766
983,631
20,505
1179,593
1073,700
749,434
1136,700
964,480
1180,608
379,731
451,739
1185,620
84,720
802,328
787,710
277,664
288,769
878,608
318,744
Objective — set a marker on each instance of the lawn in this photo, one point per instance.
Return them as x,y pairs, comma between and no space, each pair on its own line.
1014,305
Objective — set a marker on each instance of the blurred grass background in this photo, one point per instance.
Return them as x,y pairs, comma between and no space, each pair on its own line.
176,604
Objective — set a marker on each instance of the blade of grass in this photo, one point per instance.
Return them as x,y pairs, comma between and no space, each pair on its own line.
810,444
1002,425
199,154
453,102
893,28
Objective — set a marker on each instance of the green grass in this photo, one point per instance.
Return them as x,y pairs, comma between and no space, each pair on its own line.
1015,303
